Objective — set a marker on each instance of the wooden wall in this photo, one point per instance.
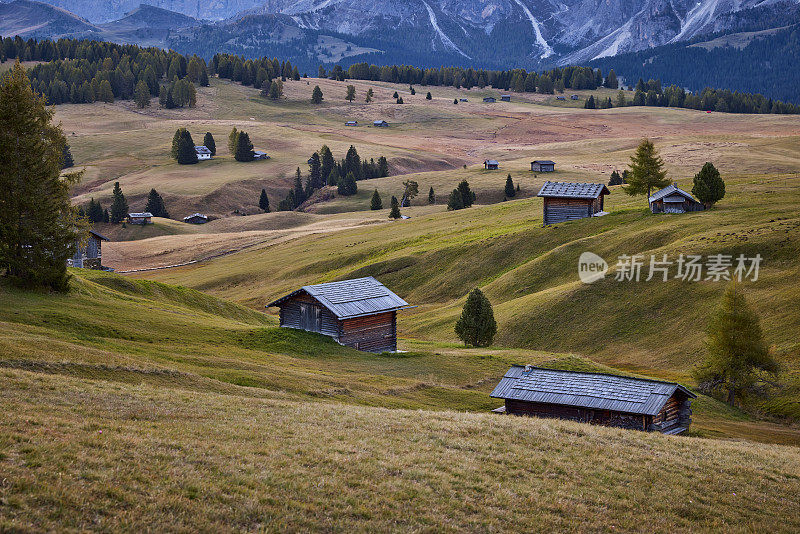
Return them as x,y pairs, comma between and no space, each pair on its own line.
583,415
558,210
291,315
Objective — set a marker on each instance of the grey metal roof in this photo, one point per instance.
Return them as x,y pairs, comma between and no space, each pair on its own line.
572,190
544,161
202,149
98,235
586,390
669,190
491,162
140,215
351,298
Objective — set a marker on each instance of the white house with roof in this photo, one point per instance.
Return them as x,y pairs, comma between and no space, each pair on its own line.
203,152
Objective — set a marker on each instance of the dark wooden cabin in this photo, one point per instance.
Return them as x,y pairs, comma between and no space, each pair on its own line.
359,313
636,403
491,164
490,99
88,256
505,98
140,218
196,218
565,201
673,199
543,165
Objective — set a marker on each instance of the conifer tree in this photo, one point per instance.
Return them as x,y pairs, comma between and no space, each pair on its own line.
141,95
263,201
327,162
376,203
476,326
315,171
455,201
119,205
299,193
208,142
155,205
186,152
400,100
233,139
736,348
709,188
244,148
428,96
395,95
316,95
615,179
383,167
431,196
509,189
66,158
455,101
467,196
646,170
106,216
347,186
175,143
351,93
394,211
370,94
590,103
333,177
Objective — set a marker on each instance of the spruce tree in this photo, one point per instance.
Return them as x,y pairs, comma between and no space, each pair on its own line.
370,94
455,201
431,197
263,201
709,188
299,192
383,167
316,95
327,163
187,155
333,177
141,95
208,142
394,211
233,139
467,196
509,189
476,326
106,216
376,203
66,158
736,348
351,93
244,148
428,96
347,186
119,205
646,170
37,221
590,103
455,101
155,205
395,95
615,179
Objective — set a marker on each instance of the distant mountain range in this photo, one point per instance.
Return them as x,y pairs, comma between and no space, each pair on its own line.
533,34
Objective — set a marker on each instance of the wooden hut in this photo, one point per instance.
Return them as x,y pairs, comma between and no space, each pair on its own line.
565,201
505,98
88,256
380,124
673,199
491,164
636,403
490,100
543,165
351,123
359,313
196,218
140,218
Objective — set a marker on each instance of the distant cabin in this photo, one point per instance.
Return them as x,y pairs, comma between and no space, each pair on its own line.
561,98
505,98
567,201
88,256
490,99
574,97
380,124
673,199
491,164
202,152
196,218
597,398
140,218
543,165
463,100
351,123
359,313
259,155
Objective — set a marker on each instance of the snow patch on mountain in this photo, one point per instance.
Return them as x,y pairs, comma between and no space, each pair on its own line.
445,39
547,50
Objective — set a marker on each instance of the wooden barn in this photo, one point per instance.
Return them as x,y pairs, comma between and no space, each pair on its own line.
351,123
543,165
359,313
491,164
140,218
490,100
564,201
636,403
88,256
673,199
380,124
505,98
196,218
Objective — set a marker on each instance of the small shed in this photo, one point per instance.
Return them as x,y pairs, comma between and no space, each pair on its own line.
351,123
463,100
359,313
574,97
259,155
561,98
203,152
491,164
505,98
673,199
490,99
543,165
196,218
564,201
140,218
88,256
597,398
380,124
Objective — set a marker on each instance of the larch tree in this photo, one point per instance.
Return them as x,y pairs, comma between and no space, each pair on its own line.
476,326
233,138
646,170
141,95
370,94
38,224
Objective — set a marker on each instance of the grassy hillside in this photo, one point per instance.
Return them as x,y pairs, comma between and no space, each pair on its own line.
116,456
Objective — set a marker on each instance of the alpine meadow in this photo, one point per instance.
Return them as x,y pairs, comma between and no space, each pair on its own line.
336,267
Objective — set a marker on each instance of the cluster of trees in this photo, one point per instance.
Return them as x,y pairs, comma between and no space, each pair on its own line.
461,197
94,212
240,146
84,71
256,72
183,146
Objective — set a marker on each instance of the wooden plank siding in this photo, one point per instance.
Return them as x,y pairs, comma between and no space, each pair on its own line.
558,210
582,415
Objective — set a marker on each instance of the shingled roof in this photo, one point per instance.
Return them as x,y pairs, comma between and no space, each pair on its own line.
671,189
351,298
586,390
572,190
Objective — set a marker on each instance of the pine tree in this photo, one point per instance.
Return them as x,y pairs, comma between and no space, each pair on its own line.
709,188
155,205
412,90
233,139
370,94
395,95
244,148
333,177
611,80
455,101
590,103
66,158
431,197
467,196
621,102
376,203
186,152
175,143
315,171
394,211
263,201
383,167
275,90
106,216
509,189
351,93
316,95
476,326
646,170
119,206
141,95
106,93
347,186
400,100
428,96
736,348
615,179
37,221
299,193
327,162
208,142
455,201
